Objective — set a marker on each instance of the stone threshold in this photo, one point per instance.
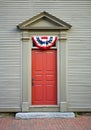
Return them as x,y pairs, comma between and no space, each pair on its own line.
30,115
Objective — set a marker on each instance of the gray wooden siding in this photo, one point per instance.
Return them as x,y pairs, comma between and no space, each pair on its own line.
79,58
75,12
10,59
10,74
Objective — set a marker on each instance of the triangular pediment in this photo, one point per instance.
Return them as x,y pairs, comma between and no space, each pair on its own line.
44,20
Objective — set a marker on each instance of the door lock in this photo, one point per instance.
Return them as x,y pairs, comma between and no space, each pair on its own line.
32,81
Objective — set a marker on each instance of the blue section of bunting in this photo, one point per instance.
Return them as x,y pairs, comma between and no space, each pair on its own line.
44,42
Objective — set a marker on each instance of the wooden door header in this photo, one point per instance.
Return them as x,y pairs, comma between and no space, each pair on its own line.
44,21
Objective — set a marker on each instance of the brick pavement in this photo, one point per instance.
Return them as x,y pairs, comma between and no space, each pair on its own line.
78,123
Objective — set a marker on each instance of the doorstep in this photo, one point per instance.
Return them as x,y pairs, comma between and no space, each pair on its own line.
30,115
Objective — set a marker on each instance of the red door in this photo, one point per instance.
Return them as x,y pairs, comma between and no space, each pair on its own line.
44,77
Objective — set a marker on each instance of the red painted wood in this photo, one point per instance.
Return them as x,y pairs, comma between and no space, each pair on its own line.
44,74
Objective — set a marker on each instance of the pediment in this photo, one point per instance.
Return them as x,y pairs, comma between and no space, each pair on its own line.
44,20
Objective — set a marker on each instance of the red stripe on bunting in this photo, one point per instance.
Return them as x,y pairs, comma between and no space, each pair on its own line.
44,37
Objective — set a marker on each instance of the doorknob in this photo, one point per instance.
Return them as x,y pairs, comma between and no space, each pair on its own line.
32,81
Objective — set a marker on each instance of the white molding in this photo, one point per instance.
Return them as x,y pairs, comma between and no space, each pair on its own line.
63,106
27,70
25,106
58,71
63,35
63,73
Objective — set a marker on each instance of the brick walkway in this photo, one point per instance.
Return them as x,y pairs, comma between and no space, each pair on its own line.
78,123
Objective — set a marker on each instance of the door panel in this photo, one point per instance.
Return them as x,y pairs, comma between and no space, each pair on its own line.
50,61
38,89
44,75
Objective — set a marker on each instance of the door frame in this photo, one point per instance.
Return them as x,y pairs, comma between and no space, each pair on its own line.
61,69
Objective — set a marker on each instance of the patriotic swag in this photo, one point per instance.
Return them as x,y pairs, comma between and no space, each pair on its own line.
44,42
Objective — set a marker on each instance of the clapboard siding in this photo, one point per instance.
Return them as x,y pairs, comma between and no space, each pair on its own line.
10,60
75,12
10,74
